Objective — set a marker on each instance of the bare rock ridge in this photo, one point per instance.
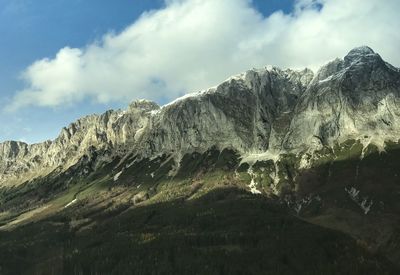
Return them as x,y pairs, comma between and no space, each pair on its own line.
113,130
257,112
355,98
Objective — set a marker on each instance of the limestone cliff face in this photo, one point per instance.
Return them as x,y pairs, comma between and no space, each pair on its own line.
259,111
241,114
355,98
114,131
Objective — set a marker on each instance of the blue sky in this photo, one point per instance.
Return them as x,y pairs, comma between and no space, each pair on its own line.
60,60
32,30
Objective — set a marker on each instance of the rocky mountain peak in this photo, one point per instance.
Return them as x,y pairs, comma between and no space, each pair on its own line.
360,51
143,105
11,149
328,70
354,98
256,111
361,54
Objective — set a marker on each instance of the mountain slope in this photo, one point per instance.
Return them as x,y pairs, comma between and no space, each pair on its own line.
225,232
323,149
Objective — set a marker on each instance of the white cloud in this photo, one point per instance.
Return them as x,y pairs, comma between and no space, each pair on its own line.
192,44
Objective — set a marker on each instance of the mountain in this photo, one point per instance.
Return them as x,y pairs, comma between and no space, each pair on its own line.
270,160
193,123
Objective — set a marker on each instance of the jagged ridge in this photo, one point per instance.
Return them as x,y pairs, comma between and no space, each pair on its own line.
267,111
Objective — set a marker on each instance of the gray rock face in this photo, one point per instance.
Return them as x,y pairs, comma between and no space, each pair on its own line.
354,98
114,130
266,111
242,113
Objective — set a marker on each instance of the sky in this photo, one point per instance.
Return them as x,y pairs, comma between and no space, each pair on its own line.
63,59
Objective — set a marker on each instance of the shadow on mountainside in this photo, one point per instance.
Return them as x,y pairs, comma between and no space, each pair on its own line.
227,231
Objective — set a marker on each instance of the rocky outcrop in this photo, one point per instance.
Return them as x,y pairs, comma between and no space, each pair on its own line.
266,111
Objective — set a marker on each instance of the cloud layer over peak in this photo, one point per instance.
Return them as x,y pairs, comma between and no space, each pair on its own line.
193,44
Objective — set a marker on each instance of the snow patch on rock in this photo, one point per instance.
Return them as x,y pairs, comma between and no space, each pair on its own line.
253,184
116,176
253,157
363,202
